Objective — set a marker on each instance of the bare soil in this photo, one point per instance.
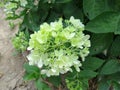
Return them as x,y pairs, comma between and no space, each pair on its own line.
11,66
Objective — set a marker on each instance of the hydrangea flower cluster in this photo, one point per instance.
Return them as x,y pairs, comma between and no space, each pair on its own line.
12,6
74,85
20,42
57,46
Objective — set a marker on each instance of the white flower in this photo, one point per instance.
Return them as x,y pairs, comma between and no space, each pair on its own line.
57,48
23,3
76,23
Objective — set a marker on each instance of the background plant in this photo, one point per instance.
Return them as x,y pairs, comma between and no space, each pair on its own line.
101,68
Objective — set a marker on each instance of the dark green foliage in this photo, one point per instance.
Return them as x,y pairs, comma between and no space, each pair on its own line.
32,72
55,80
93,8
114,49
112,66
92,63
102,22
41,86
103,85
87,74
100,42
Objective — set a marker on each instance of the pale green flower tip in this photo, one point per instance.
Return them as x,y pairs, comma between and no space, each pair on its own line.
54,34
44,26
40,64
57,25
31,63
30,60
77,23
69,35
78,69
23,2
11,5
41,41
33,35
29,48
53,70
59,53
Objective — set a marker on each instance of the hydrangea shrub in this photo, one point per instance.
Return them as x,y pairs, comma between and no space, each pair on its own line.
66,54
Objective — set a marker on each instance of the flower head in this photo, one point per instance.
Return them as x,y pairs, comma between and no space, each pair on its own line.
56,48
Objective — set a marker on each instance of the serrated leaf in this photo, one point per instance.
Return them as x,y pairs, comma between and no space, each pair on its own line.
114,77
104,23
55,80
41,85
112,66
100,42
85,84
88,74
92,63
30,76
93,8
114,49
103,85
31,22
71,75
31,68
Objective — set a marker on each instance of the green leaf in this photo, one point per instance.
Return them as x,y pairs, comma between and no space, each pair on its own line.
32,72
116,85
31,22
27,34
103,85
30,76
104,23
31,69
70,9
114,77
88,74
71,75
62,1
53,16
43,12
114,50
92,63
41,85
100,42
55,80
85,84
112,66
118,29
93,8
114,4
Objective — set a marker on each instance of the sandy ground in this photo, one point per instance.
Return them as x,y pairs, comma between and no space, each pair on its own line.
11,66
